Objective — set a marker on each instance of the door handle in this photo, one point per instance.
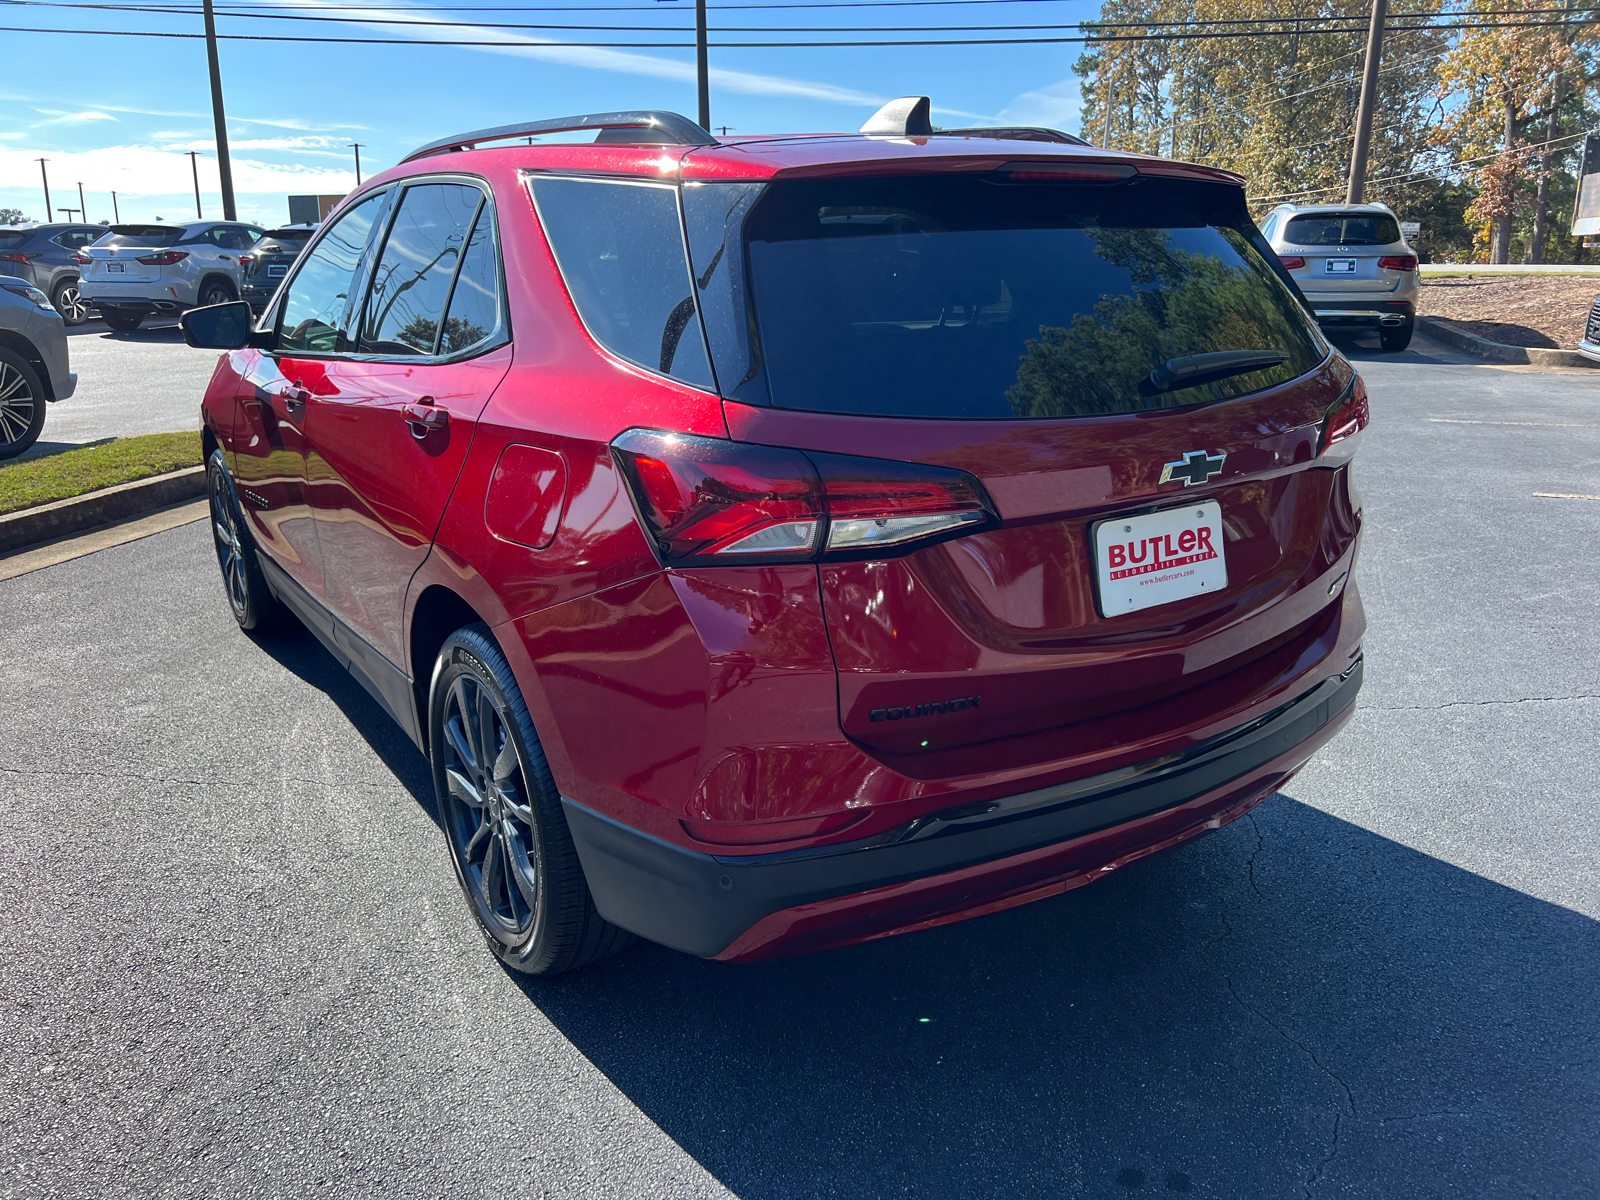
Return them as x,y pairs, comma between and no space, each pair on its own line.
425,417
294,399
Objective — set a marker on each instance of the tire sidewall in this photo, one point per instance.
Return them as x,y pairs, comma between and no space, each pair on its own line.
55,302
30,376
472,652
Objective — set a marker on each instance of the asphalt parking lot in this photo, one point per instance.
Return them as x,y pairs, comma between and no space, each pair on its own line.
237,963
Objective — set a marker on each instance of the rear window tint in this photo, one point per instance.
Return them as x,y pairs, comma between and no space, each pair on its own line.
10,239
620,250
1342,229
962,297
141,235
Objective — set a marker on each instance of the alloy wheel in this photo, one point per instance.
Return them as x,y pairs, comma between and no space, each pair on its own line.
230,551
490,816
17,404
70,304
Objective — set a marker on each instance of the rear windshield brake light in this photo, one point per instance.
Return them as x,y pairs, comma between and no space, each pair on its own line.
1041,172
708,501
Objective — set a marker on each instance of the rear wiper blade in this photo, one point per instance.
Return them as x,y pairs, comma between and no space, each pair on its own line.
1194,369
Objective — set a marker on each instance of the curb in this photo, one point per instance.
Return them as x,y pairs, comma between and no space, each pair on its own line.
1483,348
61,518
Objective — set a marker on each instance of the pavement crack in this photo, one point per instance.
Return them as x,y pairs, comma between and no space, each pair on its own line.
38,772
1251,861
1477,703
1333,1152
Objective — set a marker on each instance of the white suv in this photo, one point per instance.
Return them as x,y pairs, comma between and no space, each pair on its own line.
135,270
1352,264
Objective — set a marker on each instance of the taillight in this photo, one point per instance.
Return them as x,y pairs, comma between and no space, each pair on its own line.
83,260
1398,262
709,501
245,259
17,258
163,258
1341,428
1292,262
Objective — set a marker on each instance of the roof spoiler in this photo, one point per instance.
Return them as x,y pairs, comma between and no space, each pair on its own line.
662,128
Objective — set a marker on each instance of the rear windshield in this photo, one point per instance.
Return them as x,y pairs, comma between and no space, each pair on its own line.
1342,229
10,239
967,297
141,235
295,238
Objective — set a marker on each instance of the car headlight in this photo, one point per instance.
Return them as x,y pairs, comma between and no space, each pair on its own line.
29,291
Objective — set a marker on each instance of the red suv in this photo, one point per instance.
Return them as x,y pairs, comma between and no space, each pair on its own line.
776,543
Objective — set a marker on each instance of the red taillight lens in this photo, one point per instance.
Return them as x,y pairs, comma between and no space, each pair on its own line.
1292,262
83,260
163,258
245,259
1398,262
17,258
704,500
1341,428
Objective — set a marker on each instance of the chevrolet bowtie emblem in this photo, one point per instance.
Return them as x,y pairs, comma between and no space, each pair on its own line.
1196,466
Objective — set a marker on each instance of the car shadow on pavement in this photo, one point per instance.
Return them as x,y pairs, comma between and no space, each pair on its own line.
297,649
1294,1006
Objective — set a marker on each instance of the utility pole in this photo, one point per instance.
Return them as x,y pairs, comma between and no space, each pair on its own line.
194,164
1356,194
220,121
45,176
83,209
356,146
1111,92
116,217
69,212
702,69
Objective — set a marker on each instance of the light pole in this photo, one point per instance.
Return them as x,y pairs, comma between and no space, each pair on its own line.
83,209
116,217
45,176
69,212
219,120
1357,191
356,146
194,165
701,68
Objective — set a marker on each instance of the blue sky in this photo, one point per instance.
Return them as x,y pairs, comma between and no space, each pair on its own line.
120,112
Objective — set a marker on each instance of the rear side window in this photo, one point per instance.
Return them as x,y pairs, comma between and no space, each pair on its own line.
10,239
620,250
475,301
142,235
312,316
970,297
1342,229
411,283
73,239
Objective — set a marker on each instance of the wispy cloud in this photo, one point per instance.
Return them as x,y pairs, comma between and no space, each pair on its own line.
57,117
12,135
1056,106
158,170
276,122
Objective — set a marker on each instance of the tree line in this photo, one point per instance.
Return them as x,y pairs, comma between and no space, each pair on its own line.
1476,135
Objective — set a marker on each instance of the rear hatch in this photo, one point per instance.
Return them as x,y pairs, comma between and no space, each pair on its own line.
1342,251
132,254
271,257
1117,363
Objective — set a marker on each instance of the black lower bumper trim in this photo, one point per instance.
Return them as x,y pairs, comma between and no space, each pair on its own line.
701,902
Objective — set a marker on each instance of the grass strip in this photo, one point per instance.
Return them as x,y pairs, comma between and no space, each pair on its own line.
90,468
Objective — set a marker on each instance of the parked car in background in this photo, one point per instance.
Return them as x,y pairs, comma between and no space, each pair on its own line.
33,363
47,256
1356,270
778,543
270,259
1589,344
135,270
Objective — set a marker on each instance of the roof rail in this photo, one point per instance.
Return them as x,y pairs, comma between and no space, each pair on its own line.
1015,133
666,128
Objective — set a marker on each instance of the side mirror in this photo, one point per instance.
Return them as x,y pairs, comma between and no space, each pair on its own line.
218,326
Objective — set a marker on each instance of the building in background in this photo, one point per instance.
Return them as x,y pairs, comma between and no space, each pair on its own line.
311,210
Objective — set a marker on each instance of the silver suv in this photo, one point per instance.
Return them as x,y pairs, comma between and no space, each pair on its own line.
136,270
1352,264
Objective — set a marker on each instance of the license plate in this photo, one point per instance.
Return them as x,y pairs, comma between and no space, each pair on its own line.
1339,266
1159,557
276,272
116,268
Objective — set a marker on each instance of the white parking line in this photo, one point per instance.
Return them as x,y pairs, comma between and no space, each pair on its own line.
1539,424
1563,496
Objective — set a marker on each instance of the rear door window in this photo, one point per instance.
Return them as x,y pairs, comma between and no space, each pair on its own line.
952,296
620,249
312,316
1342,229
474,315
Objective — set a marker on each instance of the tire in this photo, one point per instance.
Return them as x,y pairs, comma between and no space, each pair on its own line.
122,322
500,807
1397,338
254,606
21,404
215,292
69,303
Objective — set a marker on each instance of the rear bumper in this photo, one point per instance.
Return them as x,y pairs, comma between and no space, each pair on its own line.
139,304
951,864
1363,314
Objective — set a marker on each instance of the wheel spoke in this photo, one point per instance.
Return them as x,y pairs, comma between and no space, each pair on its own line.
505,763
488,878
520,861
478,839
458,739
463,789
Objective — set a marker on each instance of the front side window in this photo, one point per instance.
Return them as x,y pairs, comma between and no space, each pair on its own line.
312,315
620,250
411,283
971,297
1342,229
